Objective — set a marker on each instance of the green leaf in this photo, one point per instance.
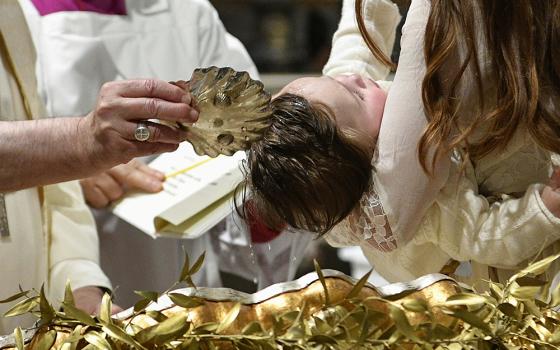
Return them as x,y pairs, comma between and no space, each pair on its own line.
79,315
323,282
68,294
364,332
532,307
105,309
205,328
141,304
46,340
555,296
186,268
152,296
295,332
252,328
441,332
510,310
321,339
97,340
46,309
118,334
415,305
71,343
162,332
530,282
472,319
524,293
465,299
156,315
197,264
555,338
536,268
14,297
22,307
185,301
290,316
229,318
401,321
359,285
188,280
18,336
496,290
193,345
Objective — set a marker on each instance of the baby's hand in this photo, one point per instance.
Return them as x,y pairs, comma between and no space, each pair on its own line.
555,179
551,193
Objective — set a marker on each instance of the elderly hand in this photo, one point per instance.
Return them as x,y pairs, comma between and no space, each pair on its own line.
102,189
89,299
108,131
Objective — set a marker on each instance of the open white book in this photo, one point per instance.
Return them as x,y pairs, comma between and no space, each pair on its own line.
198,193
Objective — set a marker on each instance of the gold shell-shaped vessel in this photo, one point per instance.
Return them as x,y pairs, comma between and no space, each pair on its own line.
234,110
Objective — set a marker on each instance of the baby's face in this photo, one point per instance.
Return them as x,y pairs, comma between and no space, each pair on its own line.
356,102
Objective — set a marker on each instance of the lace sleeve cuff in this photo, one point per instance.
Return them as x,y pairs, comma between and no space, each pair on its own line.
370,223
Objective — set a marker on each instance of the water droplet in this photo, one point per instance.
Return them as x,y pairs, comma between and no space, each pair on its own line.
255,280
252,253
269,248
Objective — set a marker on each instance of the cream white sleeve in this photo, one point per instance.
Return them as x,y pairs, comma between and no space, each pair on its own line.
405,191
349,53
73,240
218,47
463,226
502,234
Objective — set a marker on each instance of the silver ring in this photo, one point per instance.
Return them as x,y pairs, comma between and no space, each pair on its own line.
142,133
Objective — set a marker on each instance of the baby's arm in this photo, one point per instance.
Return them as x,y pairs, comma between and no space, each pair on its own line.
502,234
349,53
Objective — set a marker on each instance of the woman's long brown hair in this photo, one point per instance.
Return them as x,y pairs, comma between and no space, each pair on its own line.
521,41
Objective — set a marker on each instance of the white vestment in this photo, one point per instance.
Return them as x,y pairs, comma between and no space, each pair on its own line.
52,236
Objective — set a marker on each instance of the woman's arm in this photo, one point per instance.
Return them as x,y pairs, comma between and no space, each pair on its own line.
405,191
349,53
502,234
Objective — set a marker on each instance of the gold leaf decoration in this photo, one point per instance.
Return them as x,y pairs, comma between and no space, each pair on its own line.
329,312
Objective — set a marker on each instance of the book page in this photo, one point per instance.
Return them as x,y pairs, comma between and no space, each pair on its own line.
193,184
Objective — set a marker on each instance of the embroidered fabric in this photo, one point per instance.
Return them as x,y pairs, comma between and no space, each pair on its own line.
370,222
366,224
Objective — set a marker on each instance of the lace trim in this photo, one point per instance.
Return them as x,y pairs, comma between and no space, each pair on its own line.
372,223
366,224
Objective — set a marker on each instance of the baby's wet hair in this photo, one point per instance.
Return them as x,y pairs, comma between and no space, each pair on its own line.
305,172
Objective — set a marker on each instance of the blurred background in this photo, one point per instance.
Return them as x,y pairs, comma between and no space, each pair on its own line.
288,39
